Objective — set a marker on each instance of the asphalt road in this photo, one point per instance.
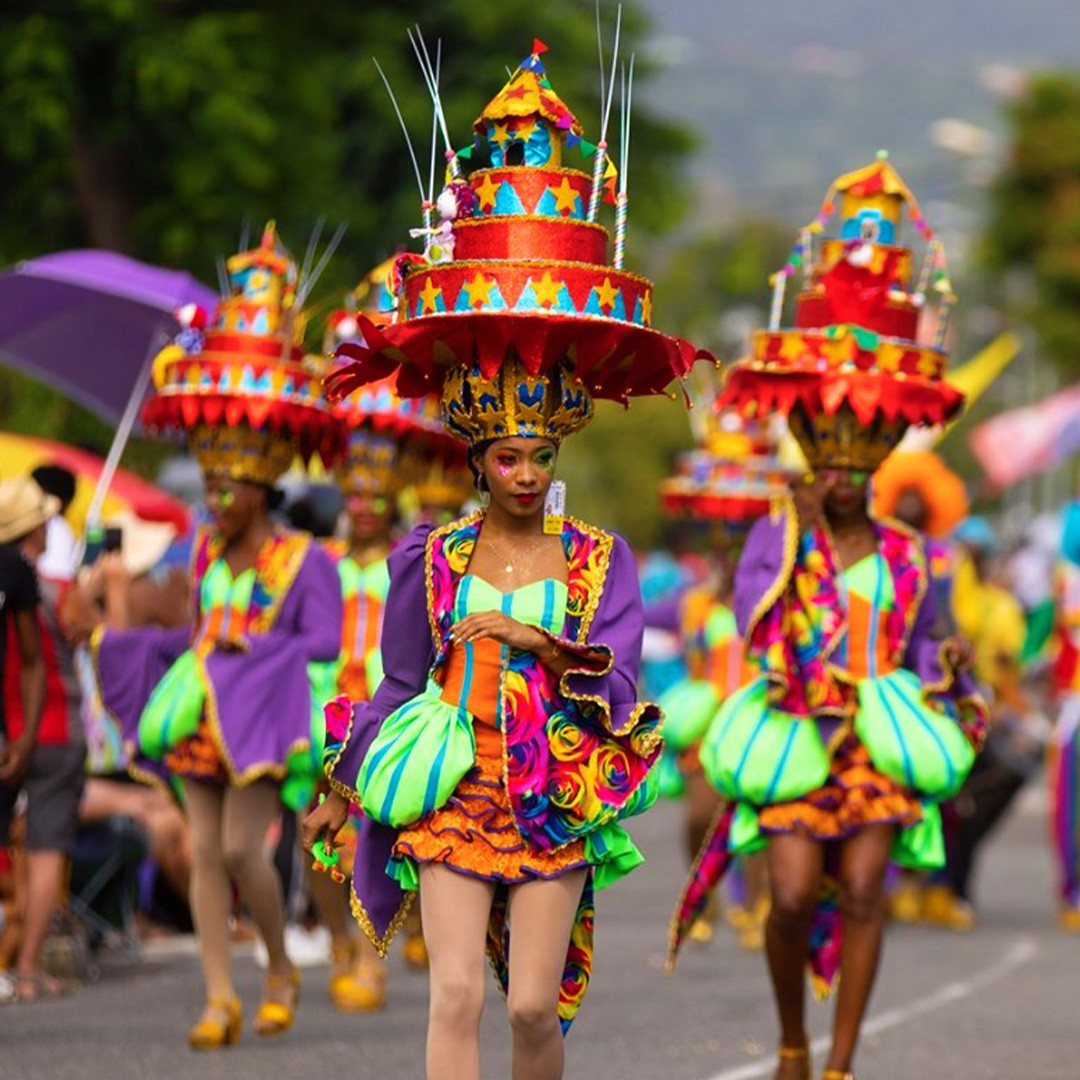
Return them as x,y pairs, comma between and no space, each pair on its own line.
999,1003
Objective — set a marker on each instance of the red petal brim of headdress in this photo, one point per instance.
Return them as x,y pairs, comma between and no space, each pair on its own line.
615,360
314,430
918,401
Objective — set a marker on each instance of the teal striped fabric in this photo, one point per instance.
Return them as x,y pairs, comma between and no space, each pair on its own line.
911,743
755,753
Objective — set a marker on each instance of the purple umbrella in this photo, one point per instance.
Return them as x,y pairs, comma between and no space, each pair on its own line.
84,321
89,323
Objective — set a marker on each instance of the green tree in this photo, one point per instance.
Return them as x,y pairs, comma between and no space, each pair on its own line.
1033,234
156,127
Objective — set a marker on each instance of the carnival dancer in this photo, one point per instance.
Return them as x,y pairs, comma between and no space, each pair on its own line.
506,741
861,721
228,712
722,487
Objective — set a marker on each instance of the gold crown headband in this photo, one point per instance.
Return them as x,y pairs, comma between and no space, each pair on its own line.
242,453
511,402
838,440
370,465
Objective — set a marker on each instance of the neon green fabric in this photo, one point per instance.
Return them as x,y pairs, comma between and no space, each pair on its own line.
755,753
688,707
911,743
867,576
174,709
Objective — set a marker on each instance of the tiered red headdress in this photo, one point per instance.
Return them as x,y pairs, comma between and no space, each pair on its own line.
242,390
865,358
516,316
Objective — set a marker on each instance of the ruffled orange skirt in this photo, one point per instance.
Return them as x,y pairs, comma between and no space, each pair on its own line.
197,757
475,832
854,795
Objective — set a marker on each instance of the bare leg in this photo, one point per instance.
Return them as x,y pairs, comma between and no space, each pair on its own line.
701,805
248,814
455,910
541,919
211,893
44,877
863,860
795,868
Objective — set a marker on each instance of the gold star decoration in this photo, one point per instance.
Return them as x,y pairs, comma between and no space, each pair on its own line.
565,197
500,136
606,294
525,130
429,294
547,290
479,290
486,192
646,307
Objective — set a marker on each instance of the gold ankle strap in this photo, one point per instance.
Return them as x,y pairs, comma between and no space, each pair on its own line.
791,1053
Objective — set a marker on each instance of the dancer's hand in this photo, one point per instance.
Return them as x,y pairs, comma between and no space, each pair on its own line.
958,653
325,821
501,628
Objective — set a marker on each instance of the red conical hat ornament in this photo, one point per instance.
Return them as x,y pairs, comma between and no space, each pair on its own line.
242,389
515,315
865,358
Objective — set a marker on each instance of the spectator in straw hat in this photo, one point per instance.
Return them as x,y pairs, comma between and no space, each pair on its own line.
53,776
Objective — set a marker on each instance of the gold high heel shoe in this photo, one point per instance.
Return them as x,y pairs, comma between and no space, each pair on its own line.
799,1054
361,987
837,1074
214,1034
276,1017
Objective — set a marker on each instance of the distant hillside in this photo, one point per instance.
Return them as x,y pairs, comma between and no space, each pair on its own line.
787,93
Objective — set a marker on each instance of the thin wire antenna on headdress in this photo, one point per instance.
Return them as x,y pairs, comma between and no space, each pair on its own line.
622,200
607,96
303,289
245,233
427,69
404,128
434,132
309,254
222,276
600,53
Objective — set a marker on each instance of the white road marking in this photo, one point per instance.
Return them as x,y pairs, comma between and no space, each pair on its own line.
1023,950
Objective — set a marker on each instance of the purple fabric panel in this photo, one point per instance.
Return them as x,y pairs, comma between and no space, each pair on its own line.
923,655
407,652
619,625
760,565
666,613
130,663
263,694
